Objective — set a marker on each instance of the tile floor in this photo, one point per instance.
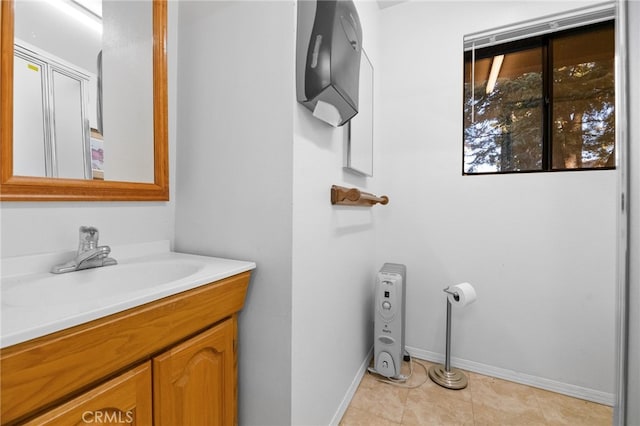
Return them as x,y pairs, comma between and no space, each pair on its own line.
485,401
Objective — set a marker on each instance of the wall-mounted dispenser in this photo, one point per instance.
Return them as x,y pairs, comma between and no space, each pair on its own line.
329,42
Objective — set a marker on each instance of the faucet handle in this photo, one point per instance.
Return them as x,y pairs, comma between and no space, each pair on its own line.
88,238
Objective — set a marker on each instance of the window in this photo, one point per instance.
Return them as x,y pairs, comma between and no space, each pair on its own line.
541,104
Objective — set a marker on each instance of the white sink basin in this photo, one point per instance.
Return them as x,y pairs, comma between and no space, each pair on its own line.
36,302
90,284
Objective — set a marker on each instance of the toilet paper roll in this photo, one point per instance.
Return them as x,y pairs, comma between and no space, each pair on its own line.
466,294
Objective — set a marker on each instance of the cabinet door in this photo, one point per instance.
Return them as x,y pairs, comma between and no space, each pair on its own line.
125,400
194,383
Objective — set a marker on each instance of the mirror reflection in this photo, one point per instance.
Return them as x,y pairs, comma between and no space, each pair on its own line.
83,91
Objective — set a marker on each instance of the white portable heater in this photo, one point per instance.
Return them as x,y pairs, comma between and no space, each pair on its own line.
390,296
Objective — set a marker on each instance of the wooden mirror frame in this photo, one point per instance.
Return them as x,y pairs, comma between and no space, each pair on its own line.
22,188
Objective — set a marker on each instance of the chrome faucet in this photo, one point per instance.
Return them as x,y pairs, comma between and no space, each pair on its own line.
89,255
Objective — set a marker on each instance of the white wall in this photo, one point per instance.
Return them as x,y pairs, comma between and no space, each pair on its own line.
539,248
235,176
334,262
127,63
254,173
39,227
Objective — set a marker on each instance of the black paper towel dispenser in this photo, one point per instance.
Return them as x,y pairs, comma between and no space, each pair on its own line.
328,49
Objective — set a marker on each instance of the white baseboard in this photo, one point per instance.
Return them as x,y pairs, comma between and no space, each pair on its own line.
352,389
513,376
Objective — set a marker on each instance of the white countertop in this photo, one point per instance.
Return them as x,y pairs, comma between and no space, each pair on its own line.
46,312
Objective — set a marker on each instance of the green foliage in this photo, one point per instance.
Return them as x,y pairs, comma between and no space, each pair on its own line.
503,130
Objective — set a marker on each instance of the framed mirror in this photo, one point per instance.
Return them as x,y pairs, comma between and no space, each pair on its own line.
359,147
109,117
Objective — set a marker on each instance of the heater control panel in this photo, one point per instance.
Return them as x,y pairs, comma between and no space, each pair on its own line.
387,298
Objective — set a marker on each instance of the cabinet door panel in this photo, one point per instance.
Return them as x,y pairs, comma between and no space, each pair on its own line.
194,383
125,400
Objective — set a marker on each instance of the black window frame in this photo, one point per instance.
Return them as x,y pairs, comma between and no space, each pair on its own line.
545,43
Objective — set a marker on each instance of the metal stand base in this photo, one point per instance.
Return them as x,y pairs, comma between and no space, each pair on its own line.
452,379
445,375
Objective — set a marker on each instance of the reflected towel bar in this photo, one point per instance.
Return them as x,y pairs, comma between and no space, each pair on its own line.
355,197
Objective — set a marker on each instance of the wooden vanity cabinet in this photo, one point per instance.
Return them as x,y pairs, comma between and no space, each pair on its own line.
125,400
170,362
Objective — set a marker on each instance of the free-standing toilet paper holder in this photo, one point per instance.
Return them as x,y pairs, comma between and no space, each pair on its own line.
444,375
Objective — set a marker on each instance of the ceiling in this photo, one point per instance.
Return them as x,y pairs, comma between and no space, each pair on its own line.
383,4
